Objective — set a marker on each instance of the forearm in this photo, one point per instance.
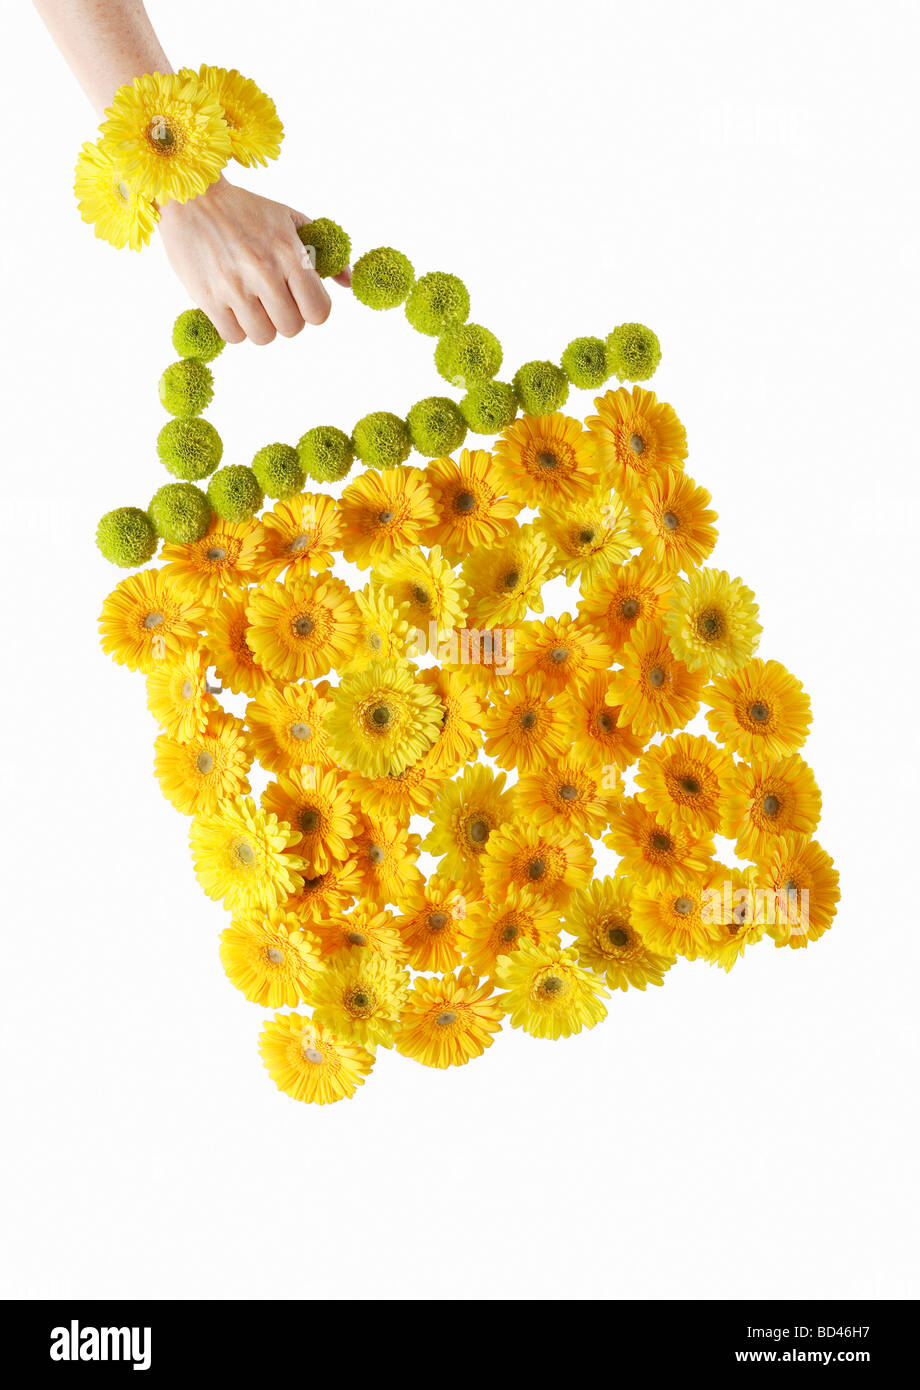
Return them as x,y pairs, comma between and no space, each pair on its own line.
105,43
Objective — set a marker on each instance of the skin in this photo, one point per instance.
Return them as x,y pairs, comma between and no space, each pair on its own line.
238,255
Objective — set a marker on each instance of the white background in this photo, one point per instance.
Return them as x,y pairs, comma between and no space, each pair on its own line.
741,177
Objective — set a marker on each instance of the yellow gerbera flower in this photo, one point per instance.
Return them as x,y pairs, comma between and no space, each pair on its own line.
318,897
712,621
496,927
427,592
319,805
204,771
361,994
310,1063
759,711
146,620
286,727
269,958
385,855
506,578
524,728
383,513
168,133
399,795
549,994
741,920
300,534
546,459
591,536
626,596
656,692
469,511
770,801
637,435
225,559
447,1022
462,711
303,627
686,779
364,927
672,521
252,119
564,652
607,942
226,643
553,861
592,725
672,918
465,814
572,794
177,694
432,918
384,634
119,213
243,857
382,720
804,886
654,852
483,657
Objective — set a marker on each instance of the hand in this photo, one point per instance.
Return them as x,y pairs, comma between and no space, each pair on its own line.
242,262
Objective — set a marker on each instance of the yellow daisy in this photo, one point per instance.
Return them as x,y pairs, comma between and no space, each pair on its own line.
364,927
506,578
384,634
804,887
382,719
654,852
318,897
447,1022
252,119
427,592
462,713
741,918
631,594
591,536
319,805
300,534
226,558
712,622
771,801
206,770
168,133
759,711
303,627
592,725
496,927
385,855
672,521
655,692
396,796
268,957
469,510
431,920
286,727
383,513
147,620
672,918
573,794
564,652
119,213
226,642
637,435
686,779
552,861
549,995
310,1063
465,814
178,696
243,857
524,728
361,994
607,942
546,459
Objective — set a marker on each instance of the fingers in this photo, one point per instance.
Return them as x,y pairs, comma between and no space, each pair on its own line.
282,308
344,279
226,323
254,321
305,285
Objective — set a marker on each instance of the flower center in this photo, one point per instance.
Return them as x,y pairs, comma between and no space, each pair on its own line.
559,654
205,763
604,722
244,852
464,503
586,536
381,715
309,821
479,831
568,792
710,625
300,543
528,719
188,690
512,579
690,785
547,460
356,938
216,553
509,933
618,936
376,854
661,842
637,444
656,676
437,921
671,520
536,868
683,906
445,1019
161,136
303,626
375,642
360,999
629,608
385,517
760,713
300,731
275,956
421,595
770,805
153,620
312,1055
552,985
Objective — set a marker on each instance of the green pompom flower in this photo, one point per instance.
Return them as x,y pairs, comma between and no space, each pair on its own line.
468,355
194,335
234,493
585,363
540,388
126,536
382,440
326,454
438,302
382,278
331,245
180,513
279,471
436,426
186,388
489,408
634,352
190,449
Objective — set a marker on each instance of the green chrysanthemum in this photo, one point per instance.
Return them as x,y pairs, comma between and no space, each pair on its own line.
326,454
186,387
468,355
634,352
190,449
436,426
438,302
585,363
194,335
382,440
279,471
489,408
331,245
126,536
541,388
234,493
180,513
382,278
